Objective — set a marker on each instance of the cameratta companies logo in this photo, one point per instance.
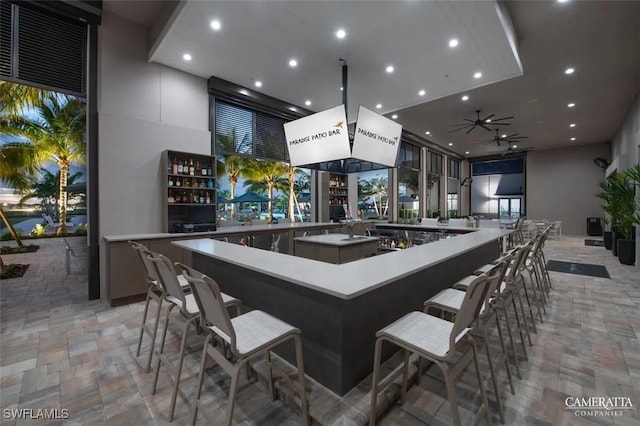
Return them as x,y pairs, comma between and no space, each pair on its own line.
598,406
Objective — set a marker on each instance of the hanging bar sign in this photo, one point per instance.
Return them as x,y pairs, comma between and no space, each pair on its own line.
318,137
377,138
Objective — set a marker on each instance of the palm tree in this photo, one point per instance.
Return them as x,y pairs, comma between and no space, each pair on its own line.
48,190
272,174
229,163
54,132
15,99
376,189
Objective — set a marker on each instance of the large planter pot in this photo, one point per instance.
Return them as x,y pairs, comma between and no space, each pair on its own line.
614,244
626,251
607,239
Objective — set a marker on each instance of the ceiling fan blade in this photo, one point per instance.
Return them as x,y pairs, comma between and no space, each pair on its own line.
484,127
503,118
469,131
499,124
470,121
487,117
460,128
520,137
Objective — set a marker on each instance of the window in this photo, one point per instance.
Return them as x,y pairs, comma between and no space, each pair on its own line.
454,169
409,156
435,165
373,195
248,133
42,48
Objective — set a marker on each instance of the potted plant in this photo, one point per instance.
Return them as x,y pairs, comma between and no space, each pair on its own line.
629,214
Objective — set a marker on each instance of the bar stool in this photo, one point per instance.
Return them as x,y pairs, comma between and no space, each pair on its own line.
188,315
154,293
450,300
448,345
248,336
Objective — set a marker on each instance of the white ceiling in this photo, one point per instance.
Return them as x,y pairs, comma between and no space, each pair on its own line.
599,39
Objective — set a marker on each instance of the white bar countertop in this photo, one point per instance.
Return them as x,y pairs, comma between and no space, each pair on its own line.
248,229
338,240
348,280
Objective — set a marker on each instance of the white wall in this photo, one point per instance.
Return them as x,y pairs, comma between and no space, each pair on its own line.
143,109
562,183
626,149
484,200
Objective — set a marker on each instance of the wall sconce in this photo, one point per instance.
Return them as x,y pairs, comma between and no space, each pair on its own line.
466,181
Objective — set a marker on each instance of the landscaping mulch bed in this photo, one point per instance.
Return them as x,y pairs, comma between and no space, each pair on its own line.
15,250
14,270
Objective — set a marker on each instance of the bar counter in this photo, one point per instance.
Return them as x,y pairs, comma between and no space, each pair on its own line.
339,308
124,280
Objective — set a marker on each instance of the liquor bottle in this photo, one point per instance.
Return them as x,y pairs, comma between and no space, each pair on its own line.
174,167
198,169
180,168
210,184
178,182
186,183
169,168
178,198
203,184
208,198
171,200
192,169
201,198
204,169
170,181
191,197
209,173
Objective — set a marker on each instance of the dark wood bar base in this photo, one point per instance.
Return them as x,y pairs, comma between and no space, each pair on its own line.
338,334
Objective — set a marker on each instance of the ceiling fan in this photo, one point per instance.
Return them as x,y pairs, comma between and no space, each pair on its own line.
498,138
515,148
482,122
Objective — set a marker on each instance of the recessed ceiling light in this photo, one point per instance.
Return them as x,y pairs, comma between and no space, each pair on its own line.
307,102
394,116
215,25
450,143
466,152
503,136
341,89
453,42
477,75
341,33
562,1
293,63
573,139
258,83
465,98
294,109
488,120
244,92
571,105
389,69
422,92
186,57
515,146
569,71
378,106
572,125
427,133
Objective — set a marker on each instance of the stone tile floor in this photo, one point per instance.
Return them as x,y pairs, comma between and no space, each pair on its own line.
60,351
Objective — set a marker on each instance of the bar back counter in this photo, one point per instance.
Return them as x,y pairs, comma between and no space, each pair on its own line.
339,308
